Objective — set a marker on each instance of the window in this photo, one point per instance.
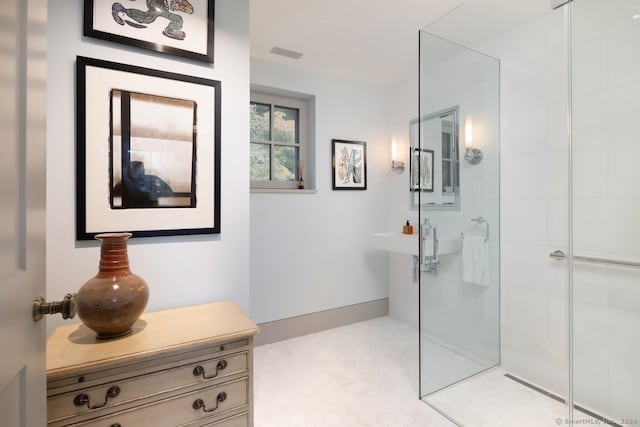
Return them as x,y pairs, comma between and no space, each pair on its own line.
278,139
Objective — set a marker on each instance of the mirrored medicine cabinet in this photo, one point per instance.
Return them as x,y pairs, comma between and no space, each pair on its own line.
435,161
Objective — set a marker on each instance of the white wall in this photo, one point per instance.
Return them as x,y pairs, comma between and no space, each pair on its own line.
179,270
310,252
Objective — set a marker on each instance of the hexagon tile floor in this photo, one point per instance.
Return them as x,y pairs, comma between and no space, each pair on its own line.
366,375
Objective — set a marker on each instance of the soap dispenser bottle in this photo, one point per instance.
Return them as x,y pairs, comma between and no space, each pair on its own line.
407,228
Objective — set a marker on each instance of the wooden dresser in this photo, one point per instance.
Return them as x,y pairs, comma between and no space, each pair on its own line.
189,366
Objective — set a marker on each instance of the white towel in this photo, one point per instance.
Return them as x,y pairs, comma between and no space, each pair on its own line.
475,260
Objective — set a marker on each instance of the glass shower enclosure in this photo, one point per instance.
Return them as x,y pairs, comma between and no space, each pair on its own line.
456,144
525,178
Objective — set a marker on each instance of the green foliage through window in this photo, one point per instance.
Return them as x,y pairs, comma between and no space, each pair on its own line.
274,131
260,122
260,162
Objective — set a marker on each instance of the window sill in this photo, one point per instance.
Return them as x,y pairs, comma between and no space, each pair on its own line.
283,190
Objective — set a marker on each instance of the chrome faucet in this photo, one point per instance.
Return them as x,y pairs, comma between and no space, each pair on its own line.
430,263
427,229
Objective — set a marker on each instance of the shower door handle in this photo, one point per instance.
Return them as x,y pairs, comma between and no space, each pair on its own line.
558,254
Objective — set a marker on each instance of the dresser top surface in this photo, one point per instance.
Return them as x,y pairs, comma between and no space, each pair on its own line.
75,346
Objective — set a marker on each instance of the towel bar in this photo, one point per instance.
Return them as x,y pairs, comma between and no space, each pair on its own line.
559,255
479,220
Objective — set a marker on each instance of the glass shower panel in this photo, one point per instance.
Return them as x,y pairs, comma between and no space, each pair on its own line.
458,202
606,208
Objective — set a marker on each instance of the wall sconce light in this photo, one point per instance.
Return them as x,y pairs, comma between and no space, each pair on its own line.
396,165
471,154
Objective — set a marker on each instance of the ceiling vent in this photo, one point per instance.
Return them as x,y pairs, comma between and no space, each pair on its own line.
285,52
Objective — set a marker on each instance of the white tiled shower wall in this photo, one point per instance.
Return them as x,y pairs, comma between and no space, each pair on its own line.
606,203
534,207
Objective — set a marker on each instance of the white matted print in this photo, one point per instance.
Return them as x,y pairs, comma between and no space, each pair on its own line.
176,27
349,164
153,140
148,151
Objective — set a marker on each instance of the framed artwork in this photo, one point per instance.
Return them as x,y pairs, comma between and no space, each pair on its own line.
176,27
421,161
349,162
147,151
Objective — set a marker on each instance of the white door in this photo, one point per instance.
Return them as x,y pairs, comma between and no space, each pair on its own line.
22,210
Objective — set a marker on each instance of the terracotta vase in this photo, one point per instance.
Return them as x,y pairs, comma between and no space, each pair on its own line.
112,301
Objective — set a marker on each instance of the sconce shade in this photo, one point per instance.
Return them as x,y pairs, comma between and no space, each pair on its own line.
468,132
396,165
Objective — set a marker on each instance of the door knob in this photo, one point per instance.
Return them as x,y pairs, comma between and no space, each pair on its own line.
67,307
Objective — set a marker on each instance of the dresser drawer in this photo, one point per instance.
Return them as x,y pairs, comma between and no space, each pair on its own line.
125,392
101,373
241,420
214,401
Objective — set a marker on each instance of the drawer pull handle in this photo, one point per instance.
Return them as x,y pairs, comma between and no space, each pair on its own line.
199,403
199,370
83,399
116,425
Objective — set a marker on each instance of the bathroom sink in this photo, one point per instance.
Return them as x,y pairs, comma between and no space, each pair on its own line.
408,243
396,242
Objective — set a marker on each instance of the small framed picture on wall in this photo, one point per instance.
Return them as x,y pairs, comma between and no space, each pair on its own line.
175,27
349,164
421,170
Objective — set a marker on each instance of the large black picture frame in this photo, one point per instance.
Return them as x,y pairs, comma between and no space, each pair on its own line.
115,137
183,28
